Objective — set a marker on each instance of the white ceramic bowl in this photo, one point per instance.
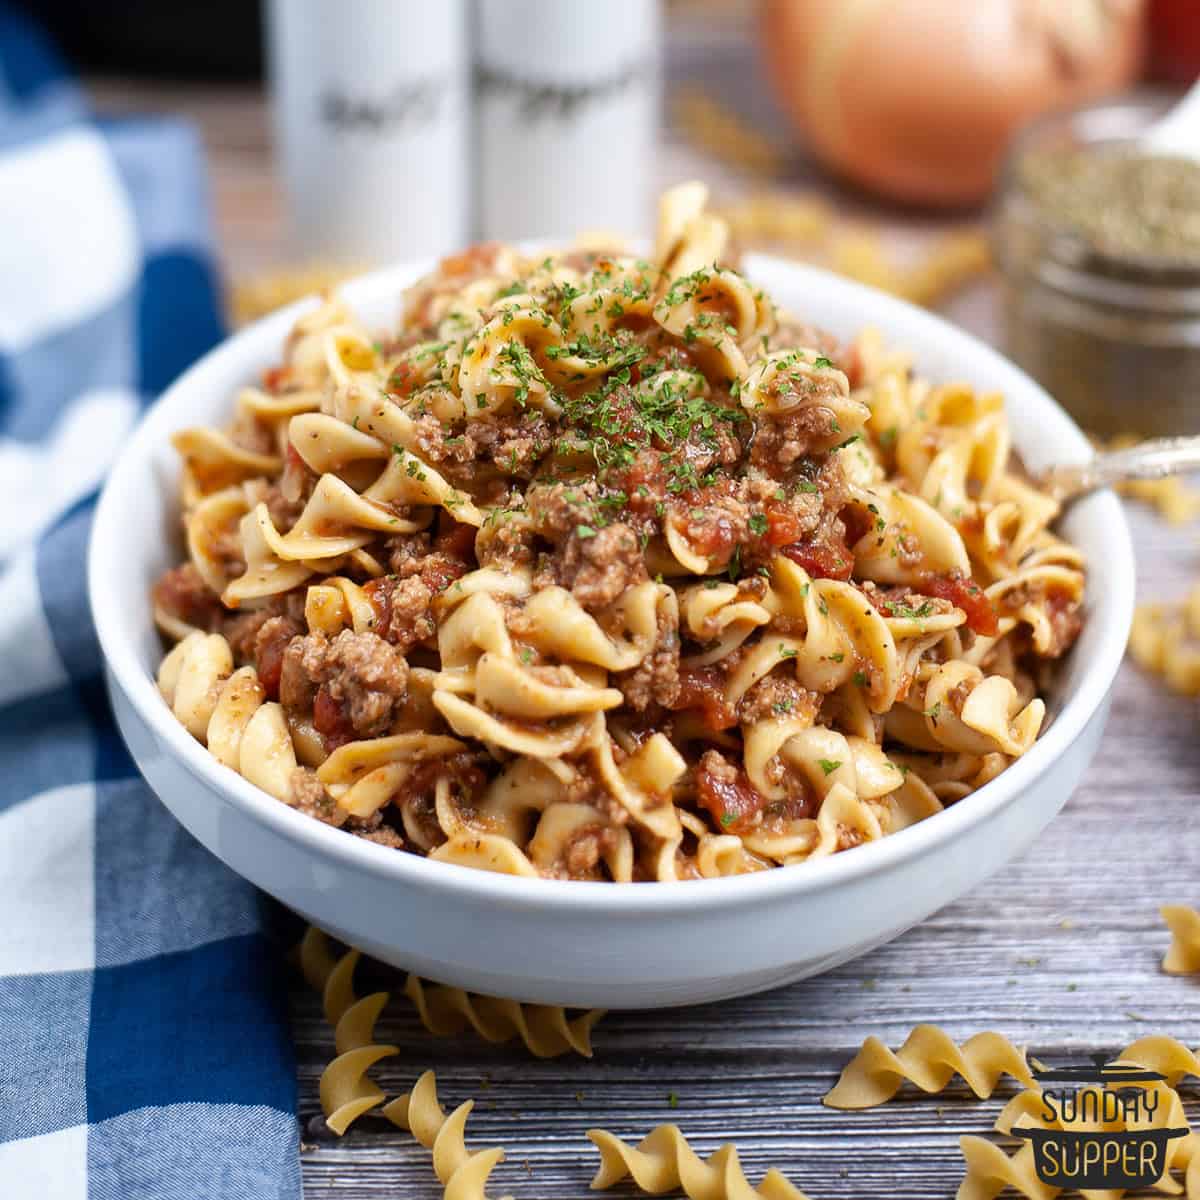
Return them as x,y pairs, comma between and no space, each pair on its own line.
637,945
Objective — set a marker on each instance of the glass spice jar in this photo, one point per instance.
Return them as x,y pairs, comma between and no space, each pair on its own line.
1112,333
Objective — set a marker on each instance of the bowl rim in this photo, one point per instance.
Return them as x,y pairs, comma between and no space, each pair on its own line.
117,643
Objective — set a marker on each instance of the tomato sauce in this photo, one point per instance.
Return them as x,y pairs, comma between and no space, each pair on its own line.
703,689
268,657
822,559
275,379
733,803
963,593
330,720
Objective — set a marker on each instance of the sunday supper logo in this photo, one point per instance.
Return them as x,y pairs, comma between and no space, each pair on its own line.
1103,1126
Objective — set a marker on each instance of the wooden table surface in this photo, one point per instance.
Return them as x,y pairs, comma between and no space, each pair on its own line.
1059,951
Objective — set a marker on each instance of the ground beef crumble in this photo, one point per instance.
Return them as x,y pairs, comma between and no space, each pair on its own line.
181,592
602,565
354,684
655,680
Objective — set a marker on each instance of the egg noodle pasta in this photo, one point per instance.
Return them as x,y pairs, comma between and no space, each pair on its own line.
598,567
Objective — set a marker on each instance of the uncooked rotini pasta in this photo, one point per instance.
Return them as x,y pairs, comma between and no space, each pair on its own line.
346,1090
463,1173
256,296
546,1030
719,131
1174,497
663,1161
1165,639
1166,1055
929,1058
599,567
1183,955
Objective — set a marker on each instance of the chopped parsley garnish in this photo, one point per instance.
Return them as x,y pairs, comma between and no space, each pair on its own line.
828,765
585,531
758,523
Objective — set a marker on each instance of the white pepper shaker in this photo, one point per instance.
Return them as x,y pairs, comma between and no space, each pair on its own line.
372,112
567,115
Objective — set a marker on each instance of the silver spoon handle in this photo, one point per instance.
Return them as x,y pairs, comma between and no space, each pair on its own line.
1147,460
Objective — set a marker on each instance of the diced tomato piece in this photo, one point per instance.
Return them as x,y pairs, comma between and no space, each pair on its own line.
456,539
474,258
403,380
828,559
268,654
330,720
715,539
275,379
734,803
963,592
783,525
703,689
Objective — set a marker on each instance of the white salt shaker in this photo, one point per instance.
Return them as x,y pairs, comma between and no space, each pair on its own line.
372,113
567,115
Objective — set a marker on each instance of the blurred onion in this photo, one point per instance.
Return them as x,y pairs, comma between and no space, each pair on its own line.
917,99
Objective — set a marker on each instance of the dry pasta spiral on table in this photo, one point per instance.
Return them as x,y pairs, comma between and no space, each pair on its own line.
463,1173
346,1091
1165,639
663,1161
1183,955
929,1058
601,567
1166,1055
546,1030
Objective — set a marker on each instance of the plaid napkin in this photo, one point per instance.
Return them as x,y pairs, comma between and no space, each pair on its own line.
145,1051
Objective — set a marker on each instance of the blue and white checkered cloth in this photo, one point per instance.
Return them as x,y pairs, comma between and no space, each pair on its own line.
143,1040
